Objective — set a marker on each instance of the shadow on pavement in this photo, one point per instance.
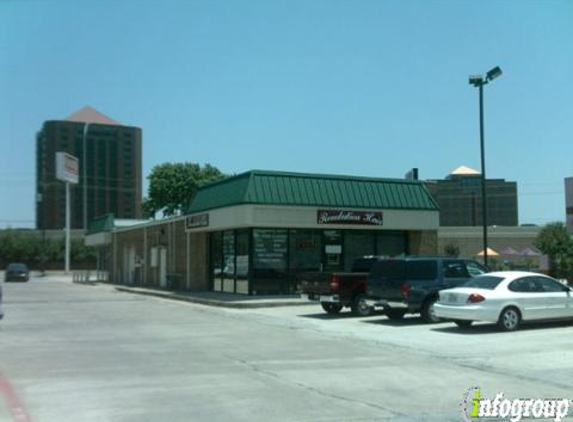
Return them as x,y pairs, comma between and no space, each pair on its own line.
485,328
341,315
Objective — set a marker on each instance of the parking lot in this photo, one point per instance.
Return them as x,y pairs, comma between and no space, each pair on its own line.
71,352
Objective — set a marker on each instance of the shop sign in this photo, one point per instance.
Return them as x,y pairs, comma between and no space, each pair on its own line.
360,218
199,220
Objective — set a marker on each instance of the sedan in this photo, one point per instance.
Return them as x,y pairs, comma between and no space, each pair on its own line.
17,272
506,298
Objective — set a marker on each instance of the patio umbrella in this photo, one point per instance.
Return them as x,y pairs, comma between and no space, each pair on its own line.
509,251
529,252
490,252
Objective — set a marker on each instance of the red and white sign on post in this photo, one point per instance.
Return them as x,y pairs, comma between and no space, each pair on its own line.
67,168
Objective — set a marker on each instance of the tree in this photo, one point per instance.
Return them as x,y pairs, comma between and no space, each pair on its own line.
451,249
554,241
172,186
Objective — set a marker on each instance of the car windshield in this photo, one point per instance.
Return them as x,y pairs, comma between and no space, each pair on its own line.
488,282
17,267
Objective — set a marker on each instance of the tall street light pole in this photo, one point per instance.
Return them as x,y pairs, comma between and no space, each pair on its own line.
479,81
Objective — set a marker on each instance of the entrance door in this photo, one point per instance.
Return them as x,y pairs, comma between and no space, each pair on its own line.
163,267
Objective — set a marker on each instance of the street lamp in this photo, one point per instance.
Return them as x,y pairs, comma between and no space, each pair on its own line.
479,81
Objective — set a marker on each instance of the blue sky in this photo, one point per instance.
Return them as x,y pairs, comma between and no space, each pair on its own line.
361,87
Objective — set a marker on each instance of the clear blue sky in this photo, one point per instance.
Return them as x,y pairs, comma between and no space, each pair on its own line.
357,87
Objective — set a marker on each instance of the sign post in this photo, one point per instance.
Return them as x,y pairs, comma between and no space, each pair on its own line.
67,170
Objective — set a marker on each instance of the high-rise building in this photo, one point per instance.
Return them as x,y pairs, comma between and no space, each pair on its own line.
109,155
460,200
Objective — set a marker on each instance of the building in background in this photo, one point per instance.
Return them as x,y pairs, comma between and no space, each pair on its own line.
111,163
459,199
569,203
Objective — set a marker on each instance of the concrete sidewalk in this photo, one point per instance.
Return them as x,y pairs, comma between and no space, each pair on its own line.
226,300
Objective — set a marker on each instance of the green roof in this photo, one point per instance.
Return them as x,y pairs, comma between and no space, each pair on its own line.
298,189
105,223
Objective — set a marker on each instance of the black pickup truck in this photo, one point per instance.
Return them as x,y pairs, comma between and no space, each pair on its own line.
336,290
411,285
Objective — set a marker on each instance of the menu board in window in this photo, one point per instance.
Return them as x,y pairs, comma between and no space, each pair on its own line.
270,249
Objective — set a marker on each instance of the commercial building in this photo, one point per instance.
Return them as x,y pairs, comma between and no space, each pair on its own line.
460,201
110,159
256,232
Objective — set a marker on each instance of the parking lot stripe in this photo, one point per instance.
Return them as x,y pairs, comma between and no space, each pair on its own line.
15,406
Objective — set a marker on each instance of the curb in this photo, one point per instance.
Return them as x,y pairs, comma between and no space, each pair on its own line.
209,302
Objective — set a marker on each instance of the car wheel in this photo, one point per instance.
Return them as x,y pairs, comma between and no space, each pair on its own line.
428,311
359,306
509,319
331,308
395,314
463,323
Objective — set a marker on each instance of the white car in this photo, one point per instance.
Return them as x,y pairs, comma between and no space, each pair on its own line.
507,298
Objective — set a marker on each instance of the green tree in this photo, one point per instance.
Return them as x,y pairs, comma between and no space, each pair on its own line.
451,249
554,241
173,185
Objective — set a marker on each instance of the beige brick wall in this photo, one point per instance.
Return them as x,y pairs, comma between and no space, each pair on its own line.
423,242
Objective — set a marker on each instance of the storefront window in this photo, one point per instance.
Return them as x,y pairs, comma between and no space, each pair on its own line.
229,261
216,258
332,250
242,273
305,251
357,245
391,244
270,249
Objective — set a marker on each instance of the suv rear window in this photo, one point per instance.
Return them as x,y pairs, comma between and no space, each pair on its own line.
421,270
389,269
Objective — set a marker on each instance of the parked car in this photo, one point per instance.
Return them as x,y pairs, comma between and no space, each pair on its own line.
17,272
411,284
507,298
336,290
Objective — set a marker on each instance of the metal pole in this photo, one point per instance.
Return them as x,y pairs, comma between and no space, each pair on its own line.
67,263
85,180
483,178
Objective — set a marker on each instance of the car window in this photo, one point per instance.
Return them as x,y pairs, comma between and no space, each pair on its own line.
392,269
363,265
475,269
523,285
17,267
548,285
455,269
421,270
484,282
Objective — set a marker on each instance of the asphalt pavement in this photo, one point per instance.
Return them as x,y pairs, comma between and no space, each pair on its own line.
71,352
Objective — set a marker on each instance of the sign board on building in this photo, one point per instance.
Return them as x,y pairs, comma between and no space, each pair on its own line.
199,220
569,203
67,168
360,218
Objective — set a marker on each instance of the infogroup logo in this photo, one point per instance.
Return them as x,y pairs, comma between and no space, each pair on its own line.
475,407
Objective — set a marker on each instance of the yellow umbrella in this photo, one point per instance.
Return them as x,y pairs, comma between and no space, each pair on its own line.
490,252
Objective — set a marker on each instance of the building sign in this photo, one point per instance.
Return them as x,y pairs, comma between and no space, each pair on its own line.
199,220
67,168
360,218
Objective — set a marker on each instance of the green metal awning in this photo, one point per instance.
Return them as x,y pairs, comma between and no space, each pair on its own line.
101,224
299,189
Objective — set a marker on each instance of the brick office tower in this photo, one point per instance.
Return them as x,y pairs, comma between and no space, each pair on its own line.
110,164
459,198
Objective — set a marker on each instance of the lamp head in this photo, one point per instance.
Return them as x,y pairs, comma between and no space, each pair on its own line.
476,80
494,73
